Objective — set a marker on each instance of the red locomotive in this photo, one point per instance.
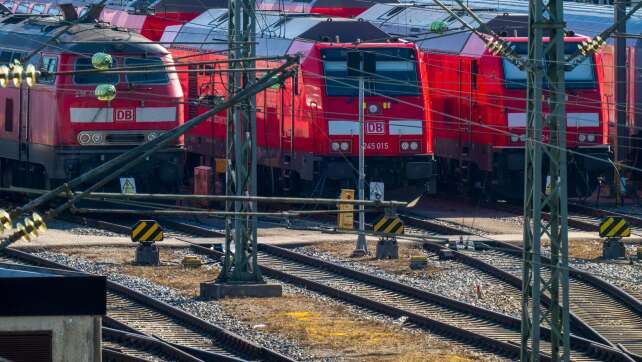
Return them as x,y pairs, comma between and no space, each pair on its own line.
57,129
307,131
478,103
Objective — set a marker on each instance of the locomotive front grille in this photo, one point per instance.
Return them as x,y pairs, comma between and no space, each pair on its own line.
127,138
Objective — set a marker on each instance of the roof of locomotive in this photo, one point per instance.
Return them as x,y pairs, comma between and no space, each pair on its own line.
275,31
28,32
172,6
586,19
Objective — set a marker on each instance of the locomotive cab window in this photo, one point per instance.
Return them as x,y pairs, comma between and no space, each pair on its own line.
22,8
580,77
38,9
396,73
92,78
150,76
50,64
53,11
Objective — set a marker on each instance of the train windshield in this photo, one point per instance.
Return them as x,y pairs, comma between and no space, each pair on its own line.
582,76
147,76
92,77
396,73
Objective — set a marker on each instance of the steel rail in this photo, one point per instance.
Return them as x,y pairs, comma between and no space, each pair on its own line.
586,289
170,323
500,324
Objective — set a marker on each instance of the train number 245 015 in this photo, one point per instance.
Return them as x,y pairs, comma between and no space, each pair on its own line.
376,146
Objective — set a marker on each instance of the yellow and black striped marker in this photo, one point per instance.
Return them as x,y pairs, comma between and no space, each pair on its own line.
389,225
147,231
614,227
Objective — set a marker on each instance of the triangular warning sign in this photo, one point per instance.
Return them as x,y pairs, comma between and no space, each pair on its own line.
128,185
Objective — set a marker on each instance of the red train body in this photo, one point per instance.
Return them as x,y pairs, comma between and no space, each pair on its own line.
57,129
478,105
310,133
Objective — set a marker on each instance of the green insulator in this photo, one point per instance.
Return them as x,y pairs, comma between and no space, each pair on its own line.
105,92
438,27
101,61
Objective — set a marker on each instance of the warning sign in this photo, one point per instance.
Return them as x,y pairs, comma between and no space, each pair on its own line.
389,225
147,231
345,220
127,185
376,191
614,227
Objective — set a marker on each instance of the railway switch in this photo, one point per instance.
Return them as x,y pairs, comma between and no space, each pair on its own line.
146,233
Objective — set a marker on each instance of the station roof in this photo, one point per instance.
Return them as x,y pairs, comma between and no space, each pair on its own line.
26,287
275,31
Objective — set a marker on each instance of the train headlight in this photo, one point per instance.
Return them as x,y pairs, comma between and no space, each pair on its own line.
514,138
335,146
522,137
96,138
404,146
152,136
345,146
414,145
84,138
591,137
581,137
373,108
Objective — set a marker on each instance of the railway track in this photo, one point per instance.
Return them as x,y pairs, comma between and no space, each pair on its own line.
597,307
461,322
179,331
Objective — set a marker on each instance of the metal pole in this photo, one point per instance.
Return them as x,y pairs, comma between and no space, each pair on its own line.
549,62
622,134
362,246
241,266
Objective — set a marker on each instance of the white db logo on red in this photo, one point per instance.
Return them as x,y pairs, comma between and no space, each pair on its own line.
125,115
375,127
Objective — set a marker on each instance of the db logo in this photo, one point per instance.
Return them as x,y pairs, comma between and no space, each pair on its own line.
375,128
125,115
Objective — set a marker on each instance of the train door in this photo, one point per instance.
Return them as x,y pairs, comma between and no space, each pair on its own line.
464,111
23,124
287,122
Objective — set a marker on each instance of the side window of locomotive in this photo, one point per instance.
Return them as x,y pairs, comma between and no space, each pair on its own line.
5,57
92,78
38,9
152,76
53,11
9,4
50,64
22,8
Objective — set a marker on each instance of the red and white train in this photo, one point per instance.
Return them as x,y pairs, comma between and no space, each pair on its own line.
57,129
478,103
307,131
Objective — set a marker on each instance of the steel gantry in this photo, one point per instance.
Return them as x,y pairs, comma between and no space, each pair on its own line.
240,178
545,19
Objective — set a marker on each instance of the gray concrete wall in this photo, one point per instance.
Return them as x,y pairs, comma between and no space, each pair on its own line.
74,338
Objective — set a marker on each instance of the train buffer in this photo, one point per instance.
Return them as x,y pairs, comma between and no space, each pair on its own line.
146,233
388,227
614,229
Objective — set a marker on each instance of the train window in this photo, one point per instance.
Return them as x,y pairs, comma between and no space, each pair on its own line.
582,76
53,11
5,57
155,76
396,73
38,9
8,115
22,8
50,64
9,4
92,78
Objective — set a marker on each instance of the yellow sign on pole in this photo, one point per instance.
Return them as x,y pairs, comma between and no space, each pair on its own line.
346,219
